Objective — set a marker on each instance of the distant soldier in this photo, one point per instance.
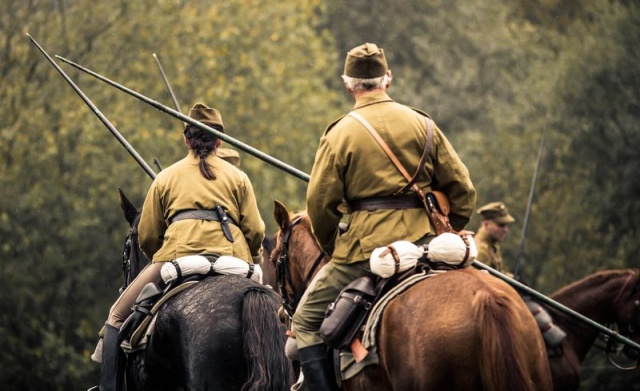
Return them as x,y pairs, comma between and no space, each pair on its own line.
494,229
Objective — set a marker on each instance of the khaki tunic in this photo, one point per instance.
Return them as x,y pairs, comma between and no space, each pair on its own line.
180,187
351,165
488,250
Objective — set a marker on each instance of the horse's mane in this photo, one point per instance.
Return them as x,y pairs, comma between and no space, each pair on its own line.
597,279
302,214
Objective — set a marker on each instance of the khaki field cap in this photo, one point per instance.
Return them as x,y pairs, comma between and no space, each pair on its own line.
497,212
230,155
365,62
206,115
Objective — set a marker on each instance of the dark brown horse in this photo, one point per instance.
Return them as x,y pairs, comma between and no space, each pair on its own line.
606,297
221,334
461,330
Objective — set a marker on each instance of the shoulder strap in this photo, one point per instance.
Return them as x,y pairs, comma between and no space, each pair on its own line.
425,154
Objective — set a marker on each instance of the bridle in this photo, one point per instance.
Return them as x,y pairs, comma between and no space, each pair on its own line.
128,249
290,300
631,327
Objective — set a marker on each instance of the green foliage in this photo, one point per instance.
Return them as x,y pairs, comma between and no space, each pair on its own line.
494,75
62,228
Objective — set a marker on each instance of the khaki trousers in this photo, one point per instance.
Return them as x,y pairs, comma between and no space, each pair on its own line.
123,307
331,279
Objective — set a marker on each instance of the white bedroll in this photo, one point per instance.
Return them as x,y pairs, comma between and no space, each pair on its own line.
448,248
198,264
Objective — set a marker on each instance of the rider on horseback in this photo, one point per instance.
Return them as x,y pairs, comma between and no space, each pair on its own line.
199,205
352,175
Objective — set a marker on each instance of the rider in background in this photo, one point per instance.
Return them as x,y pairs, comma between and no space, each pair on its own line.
351,169
493,230
184,214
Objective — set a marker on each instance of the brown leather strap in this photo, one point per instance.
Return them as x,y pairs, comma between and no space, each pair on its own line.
390,153
423,159
394,254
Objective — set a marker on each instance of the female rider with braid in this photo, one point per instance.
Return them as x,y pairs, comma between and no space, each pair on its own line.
177,221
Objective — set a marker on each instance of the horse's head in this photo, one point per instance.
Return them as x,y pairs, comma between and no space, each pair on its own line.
296,255
626,309
133,259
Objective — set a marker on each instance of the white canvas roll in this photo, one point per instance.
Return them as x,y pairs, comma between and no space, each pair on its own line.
382,261
198,264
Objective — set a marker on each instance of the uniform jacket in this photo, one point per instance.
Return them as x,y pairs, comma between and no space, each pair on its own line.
180,187
488,250
350,165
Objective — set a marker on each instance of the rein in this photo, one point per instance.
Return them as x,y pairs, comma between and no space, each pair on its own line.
290,301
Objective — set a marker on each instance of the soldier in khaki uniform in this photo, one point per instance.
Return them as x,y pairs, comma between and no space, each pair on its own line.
494,229
351,169
177,220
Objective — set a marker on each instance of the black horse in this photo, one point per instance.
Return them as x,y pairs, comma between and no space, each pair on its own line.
221,334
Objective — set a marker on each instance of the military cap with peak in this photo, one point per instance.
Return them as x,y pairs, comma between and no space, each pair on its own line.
366,61
206,115
496,211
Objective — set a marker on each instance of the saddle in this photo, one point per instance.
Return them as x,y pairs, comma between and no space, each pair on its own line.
351,321
137,328
178,275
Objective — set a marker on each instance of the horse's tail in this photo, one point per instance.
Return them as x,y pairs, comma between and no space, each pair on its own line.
503,358
264,340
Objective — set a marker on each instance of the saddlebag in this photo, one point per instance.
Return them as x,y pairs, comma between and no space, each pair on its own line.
344,316
141,309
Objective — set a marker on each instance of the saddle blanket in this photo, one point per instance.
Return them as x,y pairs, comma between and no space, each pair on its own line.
349,366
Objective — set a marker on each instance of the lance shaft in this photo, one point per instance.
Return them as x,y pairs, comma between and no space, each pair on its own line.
97,112
305,177
247,148
525,223
166,83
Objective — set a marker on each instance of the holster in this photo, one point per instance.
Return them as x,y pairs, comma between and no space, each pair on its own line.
437,206
344,316
224,222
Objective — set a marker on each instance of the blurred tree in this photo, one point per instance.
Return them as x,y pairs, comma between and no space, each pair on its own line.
61,228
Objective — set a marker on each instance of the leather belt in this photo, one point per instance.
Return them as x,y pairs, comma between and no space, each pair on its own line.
410,201
216,214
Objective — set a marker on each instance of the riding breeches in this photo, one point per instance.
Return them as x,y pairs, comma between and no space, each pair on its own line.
328,284
122,308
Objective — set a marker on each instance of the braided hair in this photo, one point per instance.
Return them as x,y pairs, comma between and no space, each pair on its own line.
202,143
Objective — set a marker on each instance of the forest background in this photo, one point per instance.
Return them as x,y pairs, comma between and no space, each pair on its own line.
494,74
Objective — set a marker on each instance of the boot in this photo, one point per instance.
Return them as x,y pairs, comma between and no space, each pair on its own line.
97,353
317,368
112,376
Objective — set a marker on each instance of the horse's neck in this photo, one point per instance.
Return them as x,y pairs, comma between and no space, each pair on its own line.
306,261
592,297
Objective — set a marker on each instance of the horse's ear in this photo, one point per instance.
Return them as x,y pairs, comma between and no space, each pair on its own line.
281,214
130,211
